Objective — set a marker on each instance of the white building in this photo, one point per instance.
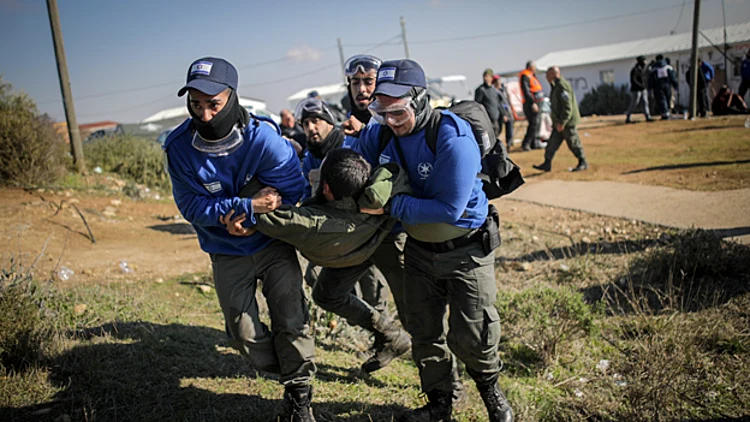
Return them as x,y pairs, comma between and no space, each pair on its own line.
587,68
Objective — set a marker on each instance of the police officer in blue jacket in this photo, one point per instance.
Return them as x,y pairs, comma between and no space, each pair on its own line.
447,265
211,156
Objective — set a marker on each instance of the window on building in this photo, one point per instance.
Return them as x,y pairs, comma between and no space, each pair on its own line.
607,76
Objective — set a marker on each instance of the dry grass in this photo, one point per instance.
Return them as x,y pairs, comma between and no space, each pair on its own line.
708,154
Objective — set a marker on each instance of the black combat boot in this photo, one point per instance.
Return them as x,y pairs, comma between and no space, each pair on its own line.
437,409
546,166
390,343
498,407
582,165
296,404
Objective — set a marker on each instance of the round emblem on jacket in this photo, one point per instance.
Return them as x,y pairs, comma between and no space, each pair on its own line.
424,170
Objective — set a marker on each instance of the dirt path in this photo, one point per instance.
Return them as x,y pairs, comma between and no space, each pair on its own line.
727,211
144,234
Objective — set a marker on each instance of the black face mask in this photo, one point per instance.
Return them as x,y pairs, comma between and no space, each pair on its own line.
223,122
421,106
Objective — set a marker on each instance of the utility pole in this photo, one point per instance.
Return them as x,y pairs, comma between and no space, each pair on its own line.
694,59
74,134
341,59
726,68
403,37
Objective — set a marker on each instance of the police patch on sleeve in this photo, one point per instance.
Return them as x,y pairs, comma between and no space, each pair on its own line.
565,96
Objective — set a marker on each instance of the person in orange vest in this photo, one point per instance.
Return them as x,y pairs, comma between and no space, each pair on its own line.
532,95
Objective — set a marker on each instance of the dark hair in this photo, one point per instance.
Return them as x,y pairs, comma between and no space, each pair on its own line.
346,173
659,57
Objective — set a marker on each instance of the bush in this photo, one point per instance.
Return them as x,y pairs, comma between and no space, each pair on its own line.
544,318
31,150
134,158
605,100
693,271
30,319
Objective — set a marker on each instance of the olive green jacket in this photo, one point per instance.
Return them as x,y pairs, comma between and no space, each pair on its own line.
563,103
335,234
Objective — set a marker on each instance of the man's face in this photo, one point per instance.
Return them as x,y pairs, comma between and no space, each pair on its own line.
361,86
404,128
487,78
550,75
207,106
287,119
533,67
316,129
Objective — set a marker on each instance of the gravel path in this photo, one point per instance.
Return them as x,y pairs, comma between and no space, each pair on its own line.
727,212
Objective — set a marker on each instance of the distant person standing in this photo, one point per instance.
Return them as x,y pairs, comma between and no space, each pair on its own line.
532,94
565,118
701,87
487,96
638,83
661,80
745,84
505,109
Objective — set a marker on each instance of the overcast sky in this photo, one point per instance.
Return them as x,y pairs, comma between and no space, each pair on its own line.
127,59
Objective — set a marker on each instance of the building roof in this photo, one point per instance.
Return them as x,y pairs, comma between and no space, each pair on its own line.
738,33
182,112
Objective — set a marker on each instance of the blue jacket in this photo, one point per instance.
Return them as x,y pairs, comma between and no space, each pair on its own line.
445,184
745,69
708,70
206,187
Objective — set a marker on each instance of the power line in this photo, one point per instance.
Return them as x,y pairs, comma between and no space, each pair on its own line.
170,83
542,28
679,18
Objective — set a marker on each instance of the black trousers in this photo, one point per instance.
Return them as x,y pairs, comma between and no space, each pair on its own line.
532,133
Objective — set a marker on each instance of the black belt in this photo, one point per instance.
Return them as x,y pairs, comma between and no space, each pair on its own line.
448,245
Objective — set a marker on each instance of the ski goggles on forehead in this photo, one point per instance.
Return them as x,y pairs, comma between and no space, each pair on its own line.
394,114
310,106
361,63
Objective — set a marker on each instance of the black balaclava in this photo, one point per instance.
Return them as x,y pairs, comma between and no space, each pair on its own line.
223,122
421,105
361,115
334,140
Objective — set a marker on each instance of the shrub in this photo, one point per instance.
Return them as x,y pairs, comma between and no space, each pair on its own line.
605,99
31,151
134,158
544,318
30,317
693,271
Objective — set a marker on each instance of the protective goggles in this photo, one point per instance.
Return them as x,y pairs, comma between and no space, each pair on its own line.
361,63
219,147
311,106
394,114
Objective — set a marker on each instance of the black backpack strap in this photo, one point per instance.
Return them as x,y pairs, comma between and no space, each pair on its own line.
431,132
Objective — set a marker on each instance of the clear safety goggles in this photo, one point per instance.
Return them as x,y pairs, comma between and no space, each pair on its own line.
219,147
361,63
311,106
394,114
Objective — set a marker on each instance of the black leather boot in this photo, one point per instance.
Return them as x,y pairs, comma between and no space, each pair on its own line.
296,404
498,407
437,409
546,166
582,165
390,343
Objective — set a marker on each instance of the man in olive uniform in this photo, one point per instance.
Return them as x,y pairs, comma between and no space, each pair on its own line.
565,118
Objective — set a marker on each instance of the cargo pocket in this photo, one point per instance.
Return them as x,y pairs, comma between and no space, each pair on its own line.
491,330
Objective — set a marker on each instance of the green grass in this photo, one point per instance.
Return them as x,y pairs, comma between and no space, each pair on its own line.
157,351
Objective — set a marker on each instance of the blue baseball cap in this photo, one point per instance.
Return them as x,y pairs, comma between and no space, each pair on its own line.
210,76
397,77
